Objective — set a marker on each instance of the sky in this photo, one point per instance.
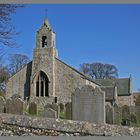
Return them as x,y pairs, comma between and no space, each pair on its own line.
86,34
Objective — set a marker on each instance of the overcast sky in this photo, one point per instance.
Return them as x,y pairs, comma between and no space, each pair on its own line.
86,33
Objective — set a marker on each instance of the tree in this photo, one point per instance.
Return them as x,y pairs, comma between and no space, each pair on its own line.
7,30
4,75
17,62
99,70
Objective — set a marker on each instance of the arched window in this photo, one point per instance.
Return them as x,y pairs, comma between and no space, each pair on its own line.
44,42
42,85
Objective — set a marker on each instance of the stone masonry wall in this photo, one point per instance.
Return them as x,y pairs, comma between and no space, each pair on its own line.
25,125
67,80
125,100
43,61
20,82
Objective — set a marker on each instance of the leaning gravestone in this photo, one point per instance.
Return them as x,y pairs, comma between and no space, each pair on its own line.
15,106
88,104
68,107
2,104
33,108
109,113
50,113
53,106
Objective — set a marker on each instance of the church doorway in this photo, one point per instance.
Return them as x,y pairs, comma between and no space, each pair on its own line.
42,85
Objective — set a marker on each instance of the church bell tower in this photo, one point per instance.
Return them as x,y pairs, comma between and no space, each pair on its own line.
43,64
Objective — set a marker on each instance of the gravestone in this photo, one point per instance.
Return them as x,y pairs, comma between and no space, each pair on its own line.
117,114
50,113
88,104
15,106
33,108
53,106
109,113
68,107
2,104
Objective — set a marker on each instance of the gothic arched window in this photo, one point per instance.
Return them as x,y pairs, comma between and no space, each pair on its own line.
42,85
44,42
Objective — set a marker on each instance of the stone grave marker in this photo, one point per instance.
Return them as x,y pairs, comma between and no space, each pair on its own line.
2,104
53,106
50,113
109,113
68,107
33,110
15,106
117,114
88,104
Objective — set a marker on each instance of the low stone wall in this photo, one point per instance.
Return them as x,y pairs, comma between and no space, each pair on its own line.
24,125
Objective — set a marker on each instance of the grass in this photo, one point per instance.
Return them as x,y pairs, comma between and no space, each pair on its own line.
138,121
62,115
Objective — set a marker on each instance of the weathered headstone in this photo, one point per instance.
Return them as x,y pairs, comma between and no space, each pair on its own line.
53,106
50,113
33,108
68,107
88,104
117,114
109,113
2,104
15,106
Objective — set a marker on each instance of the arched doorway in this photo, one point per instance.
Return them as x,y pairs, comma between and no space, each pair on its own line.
42,85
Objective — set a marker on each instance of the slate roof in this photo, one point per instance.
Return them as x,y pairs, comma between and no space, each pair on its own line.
123,85
109,92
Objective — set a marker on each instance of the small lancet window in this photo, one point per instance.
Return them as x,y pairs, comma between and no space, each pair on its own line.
44,42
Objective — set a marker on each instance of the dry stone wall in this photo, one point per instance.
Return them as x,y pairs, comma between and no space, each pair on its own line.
24,125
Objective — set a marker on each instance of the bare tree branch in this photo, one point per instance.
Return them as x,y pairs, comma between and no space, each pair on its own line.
7,30
17,62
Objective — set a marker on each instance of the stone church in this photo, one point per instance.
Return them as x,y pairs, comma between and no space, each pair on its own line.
47,78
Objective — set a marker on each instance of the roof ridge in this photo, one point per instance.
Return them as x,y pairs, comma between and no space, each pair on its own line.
84,76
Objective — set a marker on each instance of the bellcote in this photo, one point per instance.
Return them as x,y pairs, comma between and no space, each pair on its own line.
45,36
